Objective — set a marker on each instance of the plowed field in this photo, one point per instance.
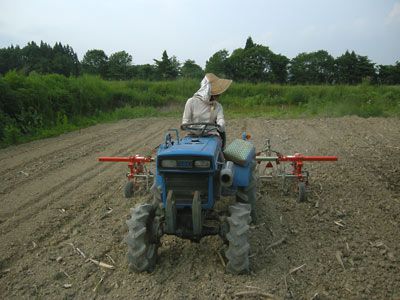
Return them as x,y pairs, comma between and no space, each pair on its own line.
60,207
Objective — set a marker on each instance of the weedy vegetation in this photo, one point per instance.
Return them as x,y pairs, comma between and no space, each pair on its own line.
38,106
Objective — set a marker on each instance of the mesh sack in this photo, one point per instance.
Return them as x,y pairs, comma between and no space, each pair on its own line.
239,151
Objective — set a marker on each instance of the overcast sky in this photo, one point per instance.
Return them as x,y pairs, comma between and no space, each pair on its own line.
195,30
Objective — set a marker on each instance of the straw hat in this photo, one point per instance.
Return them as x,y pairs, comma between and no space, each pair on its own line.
218,85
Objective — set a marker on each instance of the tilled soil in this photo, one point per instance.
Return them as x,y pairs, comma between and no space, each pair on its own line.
60,207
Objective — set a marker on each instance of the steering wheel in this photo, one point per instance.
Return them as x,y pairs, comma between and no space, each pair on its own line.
202,127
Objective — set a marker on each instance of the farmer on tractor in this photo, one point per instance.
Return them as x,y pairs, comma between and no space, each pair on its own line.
203,107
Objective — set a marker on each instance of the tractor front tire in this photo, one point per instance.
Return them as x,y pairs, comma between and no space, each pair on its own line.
142,247
238,250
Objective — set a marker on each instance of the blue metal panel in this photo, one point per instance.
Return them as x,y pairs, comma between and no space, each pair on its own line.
251,157
164,193
198,147
210,202
159,180
205,146
241,176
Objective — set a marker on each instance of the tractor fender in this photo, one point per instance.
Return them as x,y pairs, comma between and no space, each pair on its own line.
242,176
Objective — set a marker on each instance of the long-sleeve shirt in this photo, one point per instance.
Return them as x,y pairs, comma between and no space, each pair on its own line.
198,110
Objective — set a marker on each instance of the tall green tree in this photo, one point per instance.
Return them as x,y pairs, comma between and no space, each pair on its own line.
64,60
31,58
46,56
352,68
41,59
167,68
191,70
10,59
253,64
256,63
279,67
145,72
95,62
388,74
120,66
249,43
218,63
312,68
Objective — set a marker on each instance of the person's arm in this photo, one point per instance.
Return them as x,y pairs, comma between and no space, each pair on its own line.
220,117
187,113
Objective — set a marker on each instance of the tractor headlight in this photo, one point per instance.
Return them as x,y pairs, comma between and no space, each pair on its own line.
168,163
204,164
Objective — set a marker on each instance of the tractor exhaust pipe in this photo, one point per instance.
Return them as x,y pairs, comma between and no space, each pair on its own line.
227,173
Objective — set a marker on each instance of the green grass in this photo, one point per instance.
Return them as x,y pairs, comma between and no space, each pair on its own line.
40,106
83,122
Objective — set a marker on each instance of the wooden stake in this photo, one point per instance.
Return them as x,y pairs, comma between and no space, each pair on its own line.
339,259
221,259
100,281
65,273
296,269
253,287
110,258
102,264
338,223
80,252
276,243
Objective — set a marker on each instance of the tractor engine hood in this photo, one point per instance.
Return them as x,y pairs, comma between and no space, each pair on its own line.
192,146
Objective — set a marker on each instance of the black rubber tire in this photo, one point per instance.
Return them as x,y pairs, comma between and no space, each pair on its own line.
302,196
249,194
129,189
142,250
238,249
197,216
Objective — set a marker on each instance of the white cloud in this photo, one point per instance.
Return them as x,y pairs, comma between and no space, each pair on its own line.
394,14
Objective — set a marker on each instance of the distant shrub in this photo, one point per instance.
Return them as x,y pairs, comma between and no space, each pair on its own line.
12,134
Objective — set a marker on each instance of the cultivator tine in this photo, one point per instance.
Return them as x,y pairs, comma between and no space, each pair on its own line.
170,213
196,214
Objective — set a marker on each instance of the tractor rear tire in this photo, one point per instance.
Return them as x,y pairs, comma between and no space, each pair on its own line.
238,250
128,190
142,249
249,194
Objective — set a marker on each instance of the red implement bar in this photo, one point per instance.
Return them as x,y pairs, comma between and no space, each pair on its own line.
135,163
299,157
133,159
297,162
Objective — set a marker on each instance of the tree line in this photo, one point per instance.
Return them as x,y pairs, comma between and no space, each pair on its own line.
253,63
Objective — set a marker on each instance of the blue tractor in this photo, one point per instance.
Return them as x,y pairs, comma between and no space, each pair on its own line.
192,173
